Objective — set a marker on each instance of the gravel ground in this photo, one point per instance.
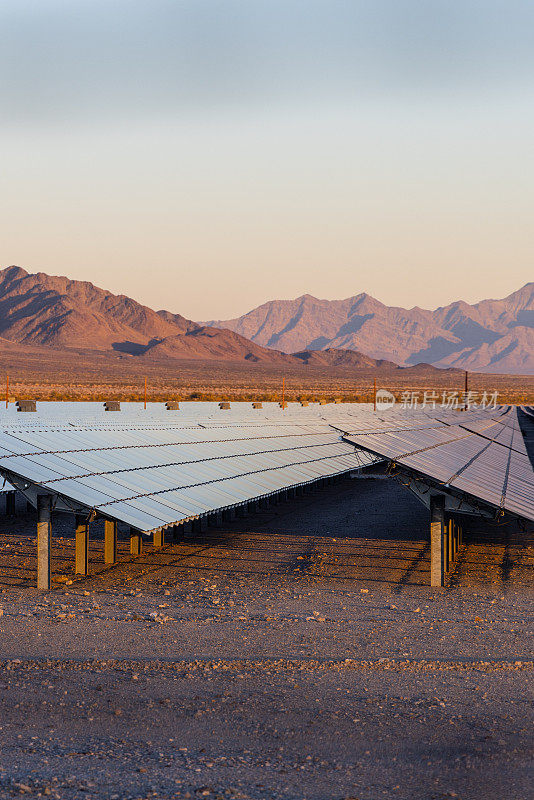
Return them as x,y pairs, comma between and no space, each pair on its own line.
297,653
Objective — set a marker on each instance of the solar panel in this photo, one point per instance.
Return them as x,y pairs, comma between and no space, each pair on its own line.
152,469
155,475
484,456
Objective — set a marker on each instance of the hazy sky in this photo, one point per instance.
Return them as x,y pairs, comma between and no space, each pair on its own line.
205,156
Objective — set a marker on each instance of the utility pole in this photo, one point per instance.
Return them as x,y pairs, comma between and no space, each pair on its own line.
145,394
7,391
374,395
283,393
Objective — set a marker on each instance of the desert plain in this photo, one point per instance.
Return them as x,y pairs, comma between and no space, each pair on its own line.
297,652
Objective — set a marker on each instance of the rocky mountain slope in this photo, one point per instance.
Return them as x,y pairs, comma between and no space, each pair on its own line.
490,336
213,343
342,358
39,310
46,310
43,310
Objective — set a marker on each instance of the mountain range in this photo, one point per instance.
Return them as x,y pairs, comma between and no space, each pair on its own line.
39,310
44,310
489,336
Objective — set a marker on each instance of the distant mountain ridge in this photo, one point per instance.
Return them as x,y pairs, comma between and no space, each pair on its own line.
489,336
44,310
40,310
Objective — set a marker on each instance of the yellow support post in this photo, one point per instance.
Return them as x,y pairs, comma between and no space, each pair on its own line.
110,541
44,540
136,543
437,550
81,546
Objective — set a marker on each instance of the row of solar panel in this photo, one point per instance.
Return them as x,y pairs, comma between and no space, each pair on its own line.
150,478
155,473
485,459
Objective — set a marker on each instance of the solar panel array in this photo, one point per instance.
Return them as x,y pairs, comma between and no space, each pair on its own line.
154,469
483,455
153,475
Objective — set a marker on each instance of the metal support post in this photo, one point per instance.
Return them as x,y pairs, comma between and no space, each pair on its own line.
110,541
437,550
446,562
44,540
81,558
136,542
10,504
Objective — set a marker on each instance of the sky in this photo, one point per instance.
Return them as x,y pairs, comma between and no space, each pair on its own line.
205,156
